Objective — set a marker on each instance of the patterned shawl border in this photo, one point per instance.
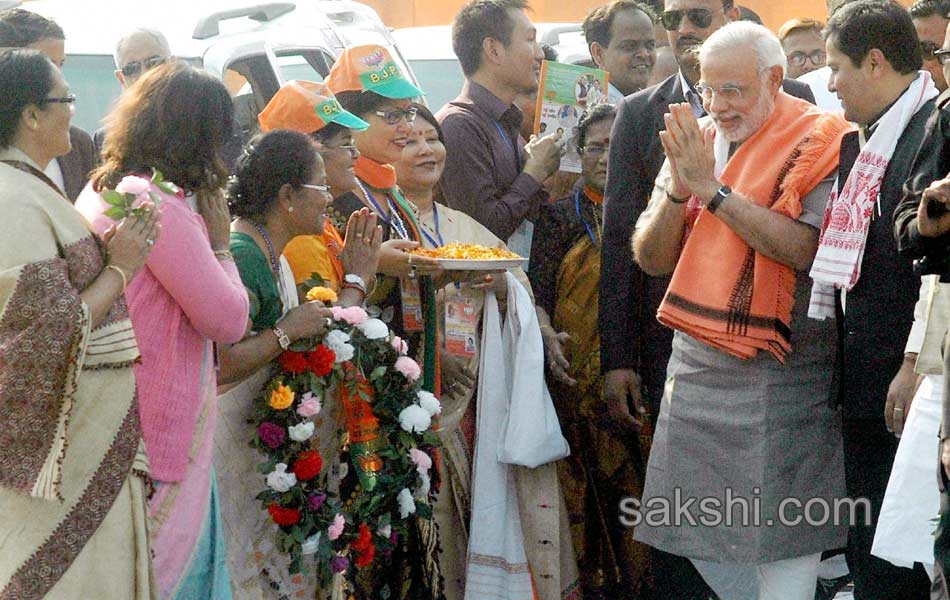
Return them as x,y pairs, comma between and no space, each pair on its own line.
37,576
497,562
38,376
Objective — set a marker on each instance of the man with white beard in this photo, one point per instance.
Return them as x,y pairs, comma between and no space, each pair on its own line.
746,420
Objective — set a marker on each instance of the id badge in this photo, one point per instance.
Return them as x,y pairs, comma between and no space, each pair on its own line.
411,304
461,325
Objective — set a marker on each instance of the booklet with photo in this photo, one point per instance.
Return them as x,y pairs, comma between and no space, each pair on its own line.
564,93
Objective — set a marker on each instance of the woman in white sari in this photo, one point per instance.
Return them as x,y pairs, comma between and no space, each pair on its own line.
278,192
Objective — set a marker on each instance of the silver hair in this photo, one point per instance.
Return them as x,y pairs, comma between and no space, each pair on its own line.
153,34
739,35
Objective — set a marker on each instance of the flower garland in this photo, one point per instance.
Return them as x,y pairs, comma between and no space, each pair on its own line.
386,441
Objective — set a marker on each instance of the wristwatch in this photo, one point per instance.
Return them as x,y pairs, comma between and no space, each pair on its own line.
282,338
718,198
357,281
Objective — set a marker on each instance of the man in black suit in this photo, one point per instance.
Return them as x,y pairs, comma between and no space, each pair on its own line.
874,56
635,348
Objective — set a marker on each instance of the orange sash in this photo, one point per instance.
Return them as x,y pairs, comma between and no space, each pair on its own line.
724,293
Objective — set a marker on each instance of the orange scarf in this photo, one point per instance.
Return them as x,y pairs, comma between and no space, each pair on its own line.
378,175
723,293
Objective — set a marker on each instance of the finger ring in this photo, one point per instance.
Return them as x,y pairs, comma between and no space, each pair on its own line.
412,272
898,409
150,241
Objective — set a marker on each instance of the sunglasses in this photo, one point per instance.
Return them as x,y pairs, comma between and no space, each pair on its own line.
816,57
393,117
700,17
137,66
942,55
67,99
928,50
320,188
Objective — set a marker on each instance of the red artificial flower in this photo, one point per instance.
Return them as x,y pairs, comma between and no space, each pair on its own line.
293,362
364,548
283,516
308,465
321,360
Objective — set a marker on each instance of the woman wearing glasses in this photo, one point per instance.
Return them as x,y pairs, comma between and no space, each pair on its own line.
278,192
311,108
369,84
73,472
175,120
565,276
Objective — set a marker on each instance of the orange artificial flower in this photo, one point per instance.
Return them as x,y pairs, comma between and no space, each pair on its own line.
281,398
323,294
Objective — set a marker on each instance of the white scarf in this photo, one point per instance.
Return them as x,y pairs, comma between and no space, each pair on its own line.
848,215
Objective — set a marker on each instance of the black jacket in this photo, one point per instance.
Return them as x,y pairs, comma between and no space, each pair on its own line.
879,310
631,337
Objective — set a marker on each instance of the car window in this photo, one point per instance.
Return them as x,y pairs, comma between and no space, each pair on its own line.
92,79
309,66
441,80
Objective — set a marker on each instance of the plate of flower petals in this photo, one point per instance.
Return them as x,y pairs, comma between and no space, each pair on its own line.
457,256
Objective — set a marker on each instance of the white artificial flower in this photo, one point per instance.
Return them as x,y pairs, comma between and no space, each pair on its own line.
280,480
423,490
311,544
338,341
374,329
407,504
301,432
429,402
415,419
385,531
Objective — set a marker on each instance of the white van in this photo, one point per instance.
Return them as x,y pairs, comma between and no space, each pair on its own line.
252,47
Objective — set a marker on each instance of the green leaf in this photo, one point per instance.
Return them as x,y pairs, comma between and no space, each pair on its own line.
114,198
377,372
116,213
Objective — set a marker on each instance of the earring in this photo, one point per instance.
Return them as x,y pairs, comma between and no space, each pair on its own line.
290,209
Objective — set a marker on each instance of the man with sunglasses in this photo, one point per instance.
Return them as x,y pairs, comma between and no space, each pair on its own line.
635,348
930,20
136,52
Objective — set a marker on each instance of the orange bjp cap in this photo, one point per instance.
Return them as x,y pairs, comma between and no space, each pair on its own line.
307,107
370,69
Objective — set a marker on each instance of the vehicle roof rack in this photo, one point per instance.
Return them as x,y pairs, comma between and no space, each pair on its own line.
207,27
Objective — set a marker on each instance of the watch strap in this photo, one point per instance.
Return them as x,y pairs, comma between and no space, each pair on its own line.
282,338
713,205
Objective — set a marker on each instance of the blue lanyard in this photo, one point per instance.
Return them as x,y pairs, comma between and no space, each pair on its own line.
511,143
438,233
394,223
577,208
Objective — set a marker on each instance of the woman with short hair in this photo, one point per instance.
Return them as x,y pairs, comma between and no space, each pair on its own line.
73,472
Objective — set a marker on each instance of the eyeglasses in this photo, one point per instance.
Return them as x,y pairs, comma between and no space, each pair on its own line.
594,150
393,117
928,50
320,188
700,17
943,55
729,92
816,57
137,66
67,99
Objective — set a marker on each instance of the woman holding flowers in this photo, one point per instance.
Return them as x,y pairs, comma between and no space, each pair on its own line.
278,192
174,121
73,473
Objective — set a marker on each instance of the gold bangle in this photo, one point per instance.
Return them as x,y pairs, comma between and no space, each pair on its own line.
224,255
125,279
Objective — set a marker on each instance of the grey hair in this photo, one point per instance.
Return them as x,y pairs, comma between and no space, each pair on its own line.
742,34
156,36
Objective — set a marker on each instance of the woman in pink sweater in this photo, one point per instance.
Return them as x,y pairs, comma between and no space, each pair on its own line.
175,119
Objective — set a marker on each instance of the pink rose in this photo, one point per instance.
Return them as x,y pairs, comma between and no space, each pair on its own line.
354,315
400,345
309,406
408,367
138,186
422,460
335,530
